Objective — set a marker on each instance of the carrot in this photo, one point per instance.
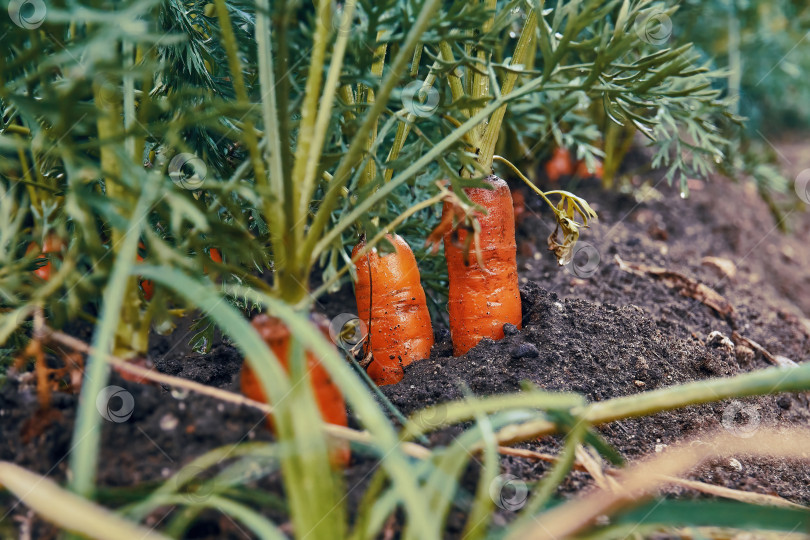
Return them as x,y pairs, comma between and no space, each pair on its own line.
559,165
330,400
146,284
482,300
392,303
132,377
519,206
583,172
215,255
52,244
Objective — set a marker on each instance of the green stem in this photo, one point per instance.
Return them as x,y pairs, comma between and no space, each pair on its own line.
242,100
317,110
343,172
480,81
403,129
456,86
525,180
734,56
84,455
271,188
493,128
376,71
369,245
415,167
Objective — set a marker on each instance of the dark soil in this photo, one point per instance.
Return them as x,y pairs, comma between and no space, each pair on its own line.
603,335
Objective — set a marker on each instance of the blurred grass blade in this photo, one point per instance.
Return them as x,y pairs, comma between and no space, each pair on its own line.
236,327
67,510
188,472
478,518
734,515
260,525
758,383
641,481
436,416
87,433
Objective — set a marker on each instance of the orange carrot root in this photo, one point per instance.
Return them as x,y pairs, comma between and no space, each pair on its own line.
559,165
482,300
583,172
53,244
392,303
330,400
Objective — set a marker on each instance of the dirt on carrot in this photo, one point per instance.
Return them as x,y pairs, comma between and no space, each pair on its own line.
482,300
392,304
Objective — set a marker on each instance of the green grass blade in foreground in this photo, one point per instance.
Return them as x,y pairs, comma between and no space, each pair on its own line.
257,523
87,433
735,515
189,471
758,383
67,510
232,323
308,465
434,417
546,488
480,515
443,473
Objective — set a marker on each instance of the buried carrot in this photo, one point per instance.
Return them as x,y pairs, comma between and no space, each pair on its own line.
392,304
327,394
483,299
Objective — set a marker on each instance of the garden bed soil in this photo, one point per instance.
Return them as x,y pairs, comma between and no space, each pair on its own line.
603,334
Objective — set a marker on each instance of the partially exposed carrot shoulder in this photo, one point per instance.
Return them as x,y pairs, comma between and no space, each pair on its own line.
481,300
392,303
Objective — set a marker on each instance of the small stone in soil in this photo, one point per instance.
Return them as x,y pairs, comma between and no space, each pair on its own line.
783,402
745,355
168,422
510,329
525,350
